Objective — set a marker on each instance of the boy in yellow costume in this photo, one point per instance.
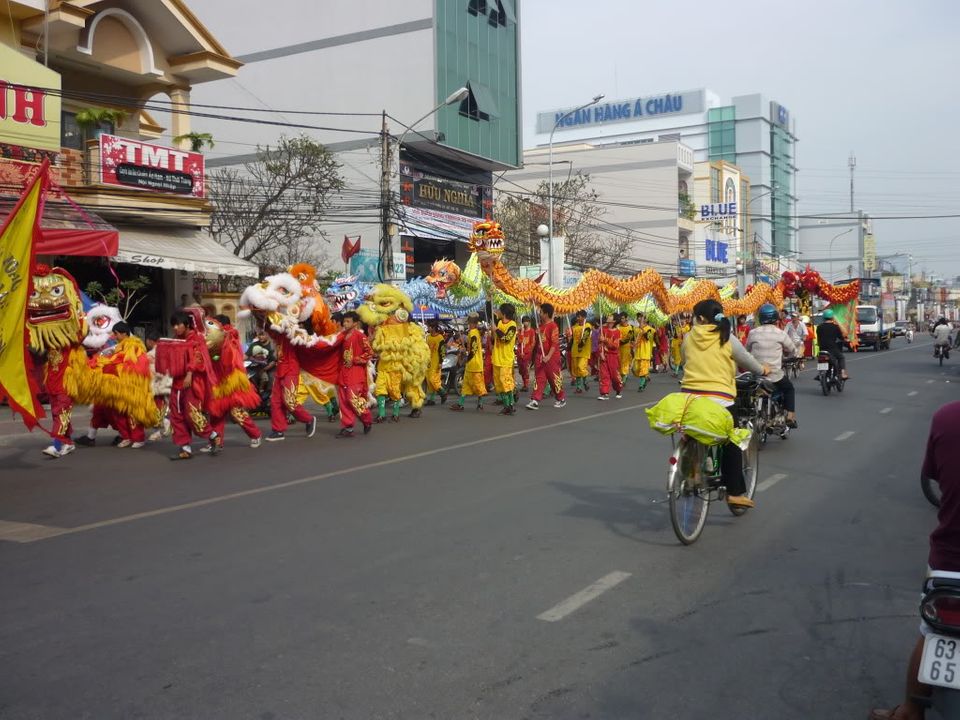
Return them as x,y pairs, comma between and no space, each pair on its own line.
504,342
627,338
436,343
580,350
681,327
473,383
643,350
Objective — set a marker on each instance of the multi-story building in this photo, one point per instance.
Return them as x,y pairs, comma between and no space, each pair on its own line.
724,239
840,245
80,81
389,68
751,131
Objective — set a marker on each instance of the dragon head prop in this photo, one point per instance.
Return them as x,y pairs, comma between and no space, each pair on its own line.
444,274
214,334
54,310
279,299
487,237
385,303
343,293
100,321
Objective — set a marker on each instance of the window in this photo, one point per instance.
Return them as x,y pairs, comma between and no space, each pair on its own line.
477,7
502,13
714,185
71,136
479,104
722,134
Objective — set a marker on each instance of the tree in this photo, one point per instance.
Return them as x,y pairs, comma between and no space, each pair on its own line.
577,215
197,140
273,210
125,296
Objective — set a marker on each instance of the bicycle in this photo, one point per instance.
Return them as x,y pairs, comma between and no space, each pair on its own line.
694,481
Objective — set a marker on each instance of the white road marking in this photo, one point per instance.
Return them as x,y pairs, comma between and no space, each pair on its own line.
26,532
845,435
578,600
911,393
885,411
54,532
770,482
930,382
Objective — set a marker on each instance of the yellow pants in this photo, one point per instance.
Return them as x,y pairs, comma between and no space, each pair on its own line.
641,367
388,383
433,379
675,351
625,362
473,384
503,381
581,367
305,391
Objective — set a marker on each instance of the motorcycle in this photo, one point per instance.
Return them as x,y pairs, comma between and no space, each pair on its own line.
940,662
941,352
262,381
451,373
827,374
770,416
909,335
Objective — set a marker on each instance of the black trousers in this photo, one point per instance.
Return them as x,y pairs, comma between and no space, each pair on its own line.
731,465
789,393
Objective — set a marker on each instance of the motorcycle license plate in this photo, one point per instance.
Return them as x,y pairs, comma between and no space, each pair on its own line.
940,664
823,366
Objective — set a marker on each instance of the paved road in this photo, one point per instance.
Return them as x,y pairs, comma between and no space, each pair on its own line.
473,566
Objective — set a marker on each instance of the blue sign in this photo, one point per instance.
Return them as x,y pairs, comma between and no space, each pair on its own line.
636,108
718,211
716,251
687,268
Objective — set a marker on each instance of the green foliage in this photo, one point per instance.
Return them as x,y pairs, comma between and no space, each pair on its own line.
93,117
124,297
687,209
197,141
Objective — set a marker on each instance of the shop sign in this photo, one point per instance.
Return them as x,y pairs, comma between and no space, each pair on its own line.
145,166
779,115
29,102
420,190
686,267
635,108
718,211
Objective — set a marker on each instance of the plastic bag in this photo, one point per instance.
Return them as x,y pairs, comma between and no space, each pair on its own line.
699,417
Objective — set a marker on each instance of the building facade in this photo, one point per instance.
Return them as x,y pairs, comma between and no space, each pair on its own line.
389,69
724,242
751,131
839,245
81,82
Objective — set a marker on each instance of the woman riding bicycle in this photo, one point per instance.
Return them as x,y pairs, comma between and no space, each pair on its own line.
710,360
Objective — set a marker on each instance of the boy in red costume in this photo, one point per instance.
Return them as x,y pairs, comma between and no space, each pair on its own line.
546,359
232,392
526,338
609,359
283,397
355,353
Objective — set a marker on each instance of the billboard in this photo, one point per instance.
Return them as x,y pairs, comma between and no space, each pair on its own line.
145,166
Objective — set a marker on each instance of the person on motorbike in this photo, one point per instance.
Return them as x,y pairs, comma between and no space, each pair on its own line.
941,335
261,355
797,331
940,464
830,338
710,356
769,345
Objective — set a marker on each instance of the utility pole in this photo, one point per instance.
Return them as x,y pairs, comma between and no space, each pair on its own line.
386,249
852,162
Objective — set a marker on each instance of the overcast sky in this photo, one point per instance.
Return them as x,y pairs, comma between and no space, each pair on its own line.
879,79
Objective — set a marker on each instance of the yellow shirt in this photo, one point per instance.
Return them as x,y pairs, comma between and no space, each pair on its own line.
475,346
644,349
581,332
504,341
708,365
435,343
626,339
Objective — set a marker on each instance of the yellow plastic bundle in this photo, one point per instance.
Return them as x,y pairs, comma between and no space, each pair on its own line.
699,417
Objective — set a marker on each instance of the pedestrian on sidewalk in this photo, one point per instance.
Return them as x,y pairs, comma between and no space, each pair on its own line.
546,358
352,386
473,381
504,341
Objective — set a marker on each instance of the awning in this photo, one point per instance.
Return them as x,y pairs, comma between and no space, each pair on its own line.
192,250
66,228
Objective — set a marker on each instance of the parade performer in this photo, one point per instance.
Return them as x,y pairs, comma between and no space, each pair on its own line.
352,387
627,338
546,358
680,330
473,382
609,361
504,340
186,360
401,348
117,382
437,345
643,350
487,335
55,325
231,392
526,338
580,351
160,386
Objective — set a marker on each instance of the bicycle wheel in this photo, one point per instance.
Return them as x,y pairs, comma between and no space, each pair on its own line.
685,482
751,468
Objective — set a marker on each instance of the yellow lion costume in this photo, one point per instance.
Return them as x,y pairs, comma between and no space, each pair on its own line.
401,348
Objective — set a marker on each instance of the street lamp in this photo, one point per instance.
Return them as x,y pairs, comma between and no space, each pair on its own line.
456,96
838,235
551,270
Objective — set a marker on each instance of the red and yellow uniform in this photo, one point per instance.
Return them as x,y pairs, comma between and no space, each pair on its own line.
580,349
676,343
546,361
188,404
473,382
435,342
355,353
526,337
627,338
286,382
504,339
609,364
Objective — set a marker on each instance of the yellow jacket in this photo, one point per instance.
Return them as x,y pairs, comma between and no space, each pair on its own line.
708,366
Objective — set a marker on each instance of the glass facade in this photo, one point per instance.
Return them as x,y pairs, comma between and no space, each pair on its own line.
782,167
721,127
477,47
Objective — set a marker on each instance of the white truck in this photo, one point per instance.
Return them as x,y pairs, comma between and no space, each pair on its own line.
871,330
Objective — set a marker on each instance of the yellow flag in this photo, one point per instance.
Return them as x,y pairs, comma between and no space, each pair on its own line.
16,259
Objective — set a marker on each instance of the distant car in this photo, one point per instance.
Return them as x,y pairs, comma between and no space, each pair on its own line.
900,328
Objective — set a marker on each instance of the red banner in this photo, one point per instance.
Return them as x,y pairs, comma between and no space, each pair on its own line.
349,249
145,166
